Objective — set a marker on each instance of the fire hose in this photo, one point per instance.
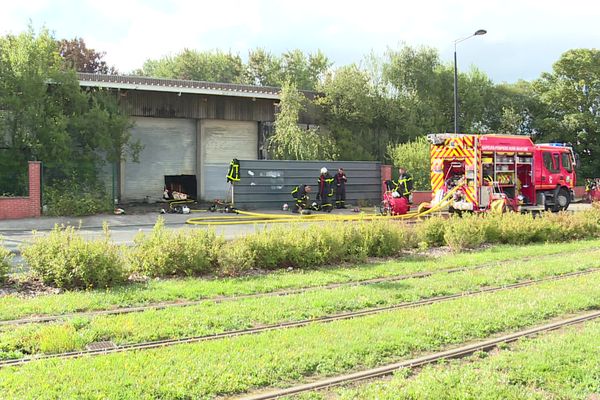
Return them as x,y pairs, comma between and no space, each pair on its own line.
245,217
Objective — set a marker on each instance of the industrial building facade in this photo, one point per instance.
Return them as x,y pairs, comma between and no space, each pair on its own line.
189,131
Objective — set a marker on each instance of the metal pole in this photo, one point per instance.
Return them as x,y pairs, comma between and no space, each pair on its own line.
477,33
455,92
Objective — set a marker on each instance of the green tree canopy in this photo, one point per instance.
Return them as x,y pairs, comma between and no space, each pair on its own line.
44,114
571,94
212,66
290,141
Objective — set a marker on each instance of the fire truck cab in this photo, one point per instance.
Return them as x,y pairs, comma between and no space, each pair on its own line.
501,169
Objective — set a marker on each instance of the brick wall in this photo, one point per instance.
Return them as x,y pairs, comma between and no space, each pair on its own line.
24,207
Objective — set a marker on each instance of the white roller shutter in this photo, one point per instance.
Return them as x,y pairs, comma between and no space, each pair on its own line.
169,149
221,142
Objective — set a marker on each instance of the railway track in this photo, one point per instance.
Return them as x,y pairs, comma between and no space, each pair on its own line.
386,370
283,325
220,299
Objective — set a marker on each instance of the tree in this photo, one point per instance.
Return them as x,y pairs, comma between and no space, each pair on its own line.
212,66
47,117
414,156
290,142
263,68
304,71
571,93
77,56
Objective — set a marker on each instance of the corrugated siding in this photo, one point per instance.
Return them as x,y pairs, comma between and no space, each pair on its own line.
169,149
267,184
170,105
221,142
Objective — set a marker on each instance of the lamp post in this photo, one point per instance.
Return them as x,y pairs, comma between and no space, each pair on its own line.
457,41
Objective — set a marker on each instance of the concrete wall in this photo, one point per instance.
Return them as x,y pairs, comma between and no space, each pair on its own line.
25,207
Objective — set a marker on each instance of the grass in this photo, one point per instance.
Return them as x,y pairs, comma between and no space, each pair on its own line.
206,370
13,306
560,365
210,318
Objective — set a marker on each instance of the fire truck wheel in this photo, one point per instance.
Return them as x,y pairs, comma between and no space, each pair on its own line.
562,201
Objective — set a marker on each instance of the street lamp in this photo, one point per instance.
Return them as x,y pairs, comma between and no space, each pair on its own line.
457,41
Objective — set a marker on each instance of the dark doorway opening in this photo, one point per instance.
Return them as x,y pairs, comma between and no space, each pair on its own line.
182,183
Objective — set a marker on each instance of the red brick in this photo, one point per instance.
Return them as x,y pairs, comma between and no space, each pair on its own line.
24,207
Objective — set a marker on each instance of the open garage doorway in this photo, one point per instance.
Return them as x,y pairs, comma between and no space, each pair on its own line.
183,184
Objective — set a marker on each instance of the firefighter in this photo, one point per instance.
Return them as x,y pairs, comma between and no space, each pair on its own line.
301,194
404,184
325,194
340,188
588,190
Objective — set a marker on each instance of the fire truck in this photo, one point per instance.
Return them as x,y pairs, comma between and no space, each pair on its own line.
501,172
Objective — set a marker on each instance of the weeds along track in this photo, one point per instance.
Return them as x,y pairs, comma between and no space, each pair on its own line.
293,324
287,292
455,353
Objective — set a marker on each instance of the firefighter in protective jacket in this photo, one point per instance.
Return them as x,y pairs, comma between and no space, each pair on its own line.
403,185
340,188
300,193
325,194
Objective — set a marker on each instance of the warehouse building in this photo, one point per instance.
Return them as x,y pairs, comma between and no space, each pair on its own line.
190,131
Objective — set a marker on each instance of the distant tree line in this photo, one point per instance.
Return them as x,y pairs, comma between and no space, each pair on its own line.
396,97
362,110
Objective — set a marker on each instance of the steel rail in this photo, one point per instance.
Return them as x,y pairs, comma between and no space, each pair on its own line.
386,370
289,324
287,292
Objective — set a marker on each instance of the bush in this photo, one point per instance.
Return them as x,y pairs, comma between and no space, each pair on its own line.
465,232
513,228
5,257
165,252
431,231
69,197
314,246
236,258
64,259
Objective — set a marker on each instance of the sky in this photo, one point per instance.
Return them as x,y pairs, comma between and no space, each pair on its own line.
524,39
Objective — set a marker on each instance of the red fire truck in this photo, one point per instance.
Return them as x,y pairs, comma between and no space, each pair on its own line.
501,171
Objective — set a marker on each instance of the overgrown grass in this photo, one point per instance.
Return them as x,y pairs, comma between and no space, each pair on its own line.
12,306
165,252
206,370
64,259
471,231
210,318
5,257
554,366
314,246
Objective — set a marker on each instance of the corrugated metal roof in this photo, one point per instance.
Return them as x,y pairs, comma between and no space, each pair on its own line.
177,85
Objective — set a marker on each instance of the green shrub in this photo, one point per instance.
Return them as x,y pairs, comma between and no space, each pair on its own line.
64,259
5,257
69,197
513,228
236,258
314,246
431,231
566,226
165,252
465,232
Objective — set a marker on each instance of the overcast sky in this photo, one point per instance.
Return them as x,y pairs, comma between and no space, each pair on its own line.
524,36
